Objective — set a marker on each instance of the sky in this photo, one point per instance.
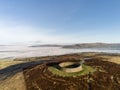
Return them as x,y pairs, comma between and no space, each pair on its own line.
59,21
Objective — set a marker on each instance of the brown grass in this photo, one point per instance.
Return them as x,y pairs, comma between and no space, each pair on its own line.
6,63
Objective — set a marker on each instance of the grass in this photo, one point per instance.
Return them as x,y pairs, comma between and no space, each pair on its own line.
86,70
114,59
5,63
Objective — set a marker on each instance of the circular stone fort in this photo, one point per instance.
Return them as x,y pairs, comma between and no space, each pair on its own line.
71,66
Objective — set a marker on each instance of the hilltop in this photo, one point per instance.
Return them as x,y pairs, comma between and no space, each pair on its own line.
34,74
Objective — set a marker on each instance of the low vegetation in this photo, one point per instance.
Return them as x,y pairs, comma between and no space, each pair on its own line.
5,63
86,70
38,76
106,76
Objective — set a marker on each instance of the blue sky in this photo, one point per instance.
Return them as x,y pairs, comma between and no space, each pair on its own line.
60,21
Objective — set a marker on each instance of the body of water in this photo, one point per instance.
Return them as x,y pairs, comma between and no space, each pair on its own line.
25,51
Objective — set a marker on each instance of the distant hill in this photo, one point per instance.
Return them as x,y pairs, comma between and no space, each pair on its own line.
93,45
83,46
46,45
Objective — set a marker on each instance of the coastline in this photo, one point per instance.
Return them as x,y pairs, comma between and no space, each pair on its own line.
12,52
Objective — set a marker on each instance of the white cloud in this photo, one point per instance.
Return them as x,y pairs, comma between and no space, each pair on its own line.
14,32
11,32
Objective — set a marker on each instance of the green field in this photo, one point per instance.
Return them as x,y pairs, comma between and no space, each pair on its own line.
86,70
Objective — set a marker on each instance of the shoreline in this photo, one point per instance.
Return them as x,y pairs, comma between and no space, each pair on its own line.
22,57
25,51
